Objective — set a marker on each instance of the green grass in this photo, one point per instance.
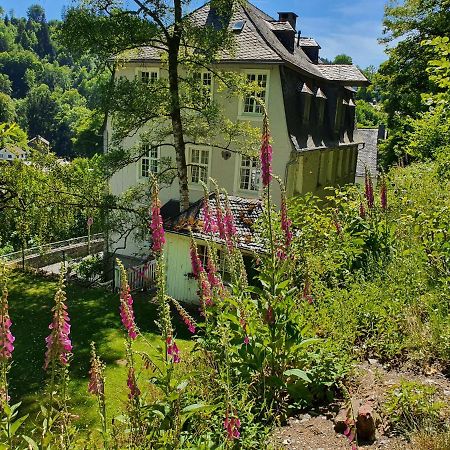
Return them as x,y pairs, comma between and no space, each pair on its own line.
94,317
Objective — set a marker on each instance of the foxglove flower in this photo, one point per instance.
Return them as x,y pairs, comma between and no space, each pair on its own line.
368,189
213,278
59,346
383,194
209,223
197,266
337,224
220,219
269,316
96,385
126,304
231,426
286,223
362,210
132,384
187,319
156,226
266,155
307,295
205,290
6,337
172,350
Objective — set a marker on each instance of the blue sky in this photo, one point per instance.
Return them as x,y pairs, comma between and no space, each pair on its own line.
340,26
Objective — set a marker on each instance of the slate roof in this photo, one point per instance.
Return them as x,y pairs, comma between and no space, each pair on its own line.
257,43
368,156
245,212
308,42
341,72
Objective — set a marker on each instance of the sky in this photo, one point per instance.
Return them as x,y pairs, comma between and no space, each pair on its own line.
339,26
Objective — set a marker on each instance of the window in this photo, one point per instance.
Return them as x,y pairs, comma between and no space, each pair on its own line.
148,76
221,262
249,174
206,81
199,165
320,110
306,108
250,102
150,162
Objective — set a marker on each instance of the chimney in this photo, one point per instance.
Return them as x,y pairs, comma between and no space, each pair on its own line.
290,17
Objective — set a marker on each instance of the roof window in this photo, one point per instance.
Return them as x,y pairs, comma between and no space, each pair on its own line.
238,26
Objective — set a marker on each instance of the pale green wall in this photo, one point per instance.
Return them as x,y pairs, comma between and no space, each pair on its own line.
225,172
313,171
179,286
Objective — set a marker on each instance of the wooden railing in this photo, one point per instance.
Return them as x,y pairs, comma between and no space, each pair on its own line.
139,277
51,248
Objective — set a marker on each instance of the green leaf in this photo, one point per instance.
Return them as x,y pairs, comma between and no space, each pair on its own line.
31,443
297,373
16,425
197,407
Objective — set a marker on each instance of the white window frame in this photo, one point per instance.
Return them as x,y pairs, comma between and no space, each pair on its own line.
198,166
150,159
255,166
254,113
140,70
210,87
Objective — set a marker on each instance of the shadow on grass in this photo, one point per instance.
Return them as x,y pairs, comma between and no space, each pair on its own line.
94,316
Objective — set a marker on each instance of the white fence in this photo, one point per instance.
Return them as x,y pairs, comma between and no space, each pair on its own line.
139,277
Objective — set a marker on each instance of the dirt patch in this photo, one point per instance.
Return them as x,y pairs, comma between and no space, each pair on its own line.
315,430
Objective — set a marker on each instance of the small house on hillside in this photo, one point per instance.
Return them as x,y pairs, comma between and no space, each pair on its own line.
180,281
311,109
10,152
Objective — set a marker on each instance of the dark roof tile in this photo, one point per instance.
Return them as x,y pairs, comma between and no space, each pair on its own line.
257,43
245,211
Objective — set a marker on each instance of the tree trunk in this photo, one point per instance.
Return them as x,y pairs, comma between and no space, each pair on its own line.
175,113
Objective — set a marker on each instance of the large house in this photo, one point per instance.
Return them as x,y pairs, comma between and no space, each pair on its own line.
310,106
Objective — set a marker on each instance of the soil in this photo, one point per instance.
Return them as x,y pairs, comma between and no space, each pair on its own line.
315,430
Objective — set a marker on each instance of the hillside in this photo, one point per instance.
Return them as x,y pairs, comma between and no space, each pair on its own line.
45,90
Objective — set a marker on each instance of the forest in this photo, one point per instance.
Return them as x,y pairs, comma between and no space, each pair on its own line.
45,90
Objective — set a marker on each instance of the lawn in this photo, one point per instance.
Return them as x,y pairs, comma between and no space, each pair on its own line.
94,317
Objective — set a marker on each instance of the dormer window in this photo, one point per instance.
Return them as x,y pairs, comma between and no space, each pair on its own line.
321,100
306,95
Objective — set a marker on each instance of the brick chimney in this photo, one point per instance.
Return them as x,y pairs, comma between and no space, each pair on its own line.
290,17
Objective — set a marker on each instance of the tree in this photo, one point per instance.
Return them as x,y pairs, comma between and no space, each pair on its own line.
7,108
5,84
403,77
172,111
36,13
44,200
41,111
368,115
343,59
15,64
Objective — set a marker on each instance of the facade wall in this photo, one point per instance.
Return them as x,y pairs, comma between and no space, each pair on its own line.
326,156
225,172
